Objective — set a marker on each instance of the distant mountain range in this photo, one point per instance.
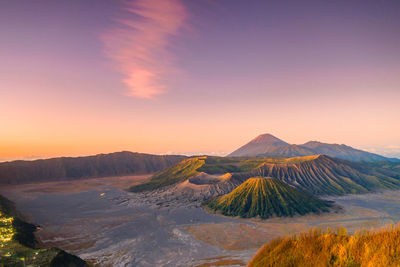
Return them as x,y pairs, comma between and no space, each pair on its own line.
69,168
265,149
317,174
267,197
323,175
267,145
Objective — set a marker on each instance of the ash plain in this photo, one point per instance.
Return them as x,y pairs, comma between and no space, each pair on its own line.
99,221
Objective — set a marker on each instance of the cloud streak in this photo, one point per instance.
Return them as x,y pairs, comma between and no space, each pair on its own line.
139,44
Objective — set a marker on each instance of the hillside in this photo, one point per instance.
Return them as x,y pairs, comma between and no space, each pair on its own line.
394,166
267,197
192,167
192,191
343,152
68,168
323,175
317,174
381,248
17,243
177,173
274,147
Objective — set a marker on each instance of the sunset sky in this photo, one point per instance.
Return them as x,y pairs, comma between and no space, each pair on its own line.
196,77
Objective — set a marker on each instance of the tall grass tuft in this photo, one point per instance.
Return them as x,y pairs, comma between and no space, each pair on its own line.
333,248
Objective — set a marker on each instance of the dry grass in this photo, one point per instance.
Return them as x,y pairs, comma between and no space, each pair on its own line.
333,248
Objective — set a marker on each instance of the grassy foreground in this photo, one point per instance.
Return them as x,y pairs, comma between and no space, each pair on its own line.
327,248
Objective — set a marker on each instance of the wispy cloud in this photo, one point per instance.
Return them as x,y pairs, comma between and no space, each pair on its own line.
139,43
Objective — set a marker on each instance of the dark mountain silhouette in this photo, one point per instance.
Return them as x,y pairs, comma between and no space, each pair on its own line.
267,145
69,168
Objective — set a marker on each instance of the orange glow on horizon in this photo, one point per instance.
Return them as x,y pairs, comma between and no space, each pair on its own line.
196,77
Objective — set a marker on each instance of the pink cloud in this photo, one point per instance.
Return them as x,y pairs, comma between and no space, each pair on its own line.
139,44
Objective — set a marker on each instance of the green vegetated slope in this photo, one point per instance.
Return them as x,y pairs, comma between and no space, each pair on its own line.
17,243
329,176
218,165
327,248
179,172
68,168
211,165
267,197
387,165
316,174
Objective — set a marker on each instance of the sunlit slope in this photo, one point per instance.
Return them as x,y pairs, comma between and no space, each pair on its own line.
211,165
177,173
318,248
217,165
316,174
329,176
267,197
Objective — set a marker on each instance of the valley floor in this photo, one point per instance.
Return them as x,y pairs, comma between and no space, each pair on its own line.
98,221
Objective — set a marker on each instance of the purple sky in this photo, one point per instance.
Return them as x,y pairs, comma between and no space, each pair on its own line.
82,77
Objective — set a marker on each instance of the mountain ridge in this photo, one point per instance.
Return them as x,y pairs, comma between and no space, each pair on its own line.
69,168
315,174
323,175
282,149
263,143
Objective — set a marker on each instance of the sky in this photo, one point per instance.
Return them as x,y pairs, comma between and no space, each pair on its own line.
196,77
